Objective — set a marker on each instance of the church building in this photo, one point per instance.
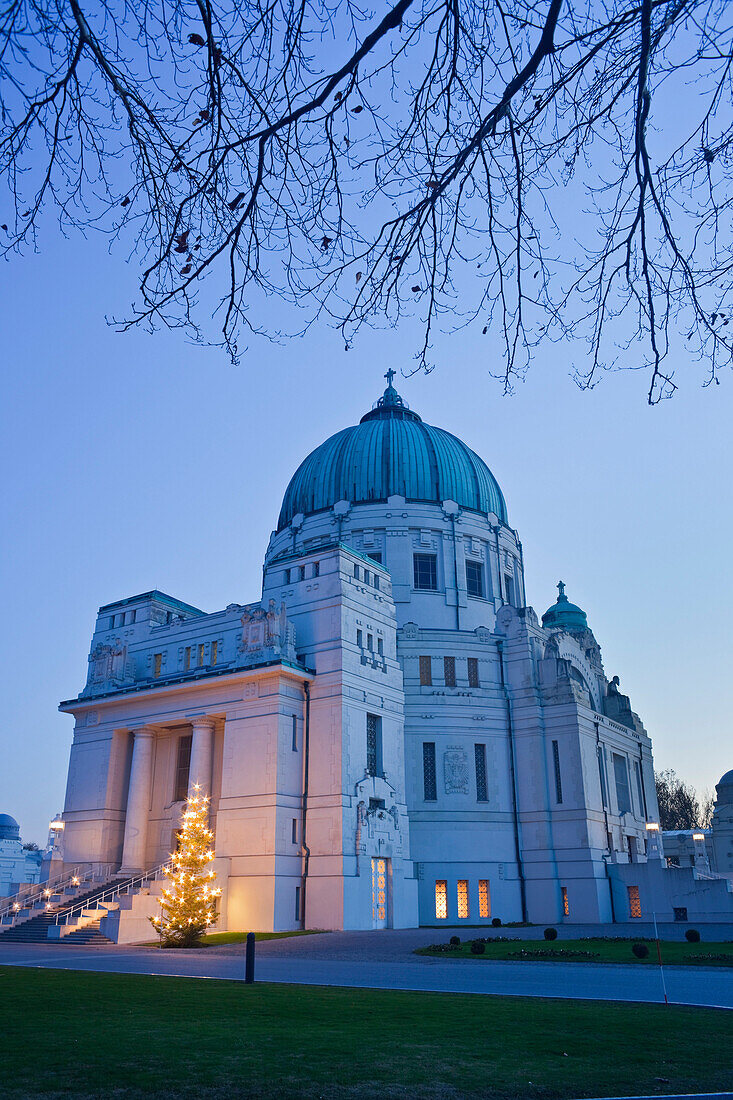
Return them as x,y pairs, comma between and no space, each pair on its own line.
390,735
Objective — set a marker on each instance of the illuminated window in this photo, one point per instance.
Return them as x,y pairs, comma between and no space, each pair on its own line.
157,664
556,765
475,579
484,898
634,902
426,671
379,891
374,744
214,652
462,899
187,658
449,671
201,654
473,672
441,899
565,902
425,572
183,765
430,792
482,793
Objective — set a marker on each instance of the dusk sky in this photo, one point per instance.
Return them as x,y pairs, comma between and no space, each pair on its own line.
134,461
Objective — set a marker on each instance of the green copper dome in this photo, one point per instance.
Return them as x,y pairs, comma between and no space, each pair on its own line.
391,452
564,615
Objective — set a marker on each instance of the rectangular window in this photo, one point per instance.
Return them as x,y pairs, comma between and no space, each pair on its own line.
370,642
449,671
462,891
297,903
214,652
301,572
425,570
357,572
187,658
426,671
360,639
130,617
295,734
509,588
602,772
640,788
376,556
316,568
482,794
183,766
556,765
366,577
473,680
157,664
565,901
484,898
380,646
621,776
475,579
430,786
441,899
634,902
286,576
201,654
374,744
376,581
294,830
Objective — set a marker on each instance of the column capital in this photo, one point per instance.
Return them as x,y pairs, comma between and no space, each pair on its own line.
144,731
203,721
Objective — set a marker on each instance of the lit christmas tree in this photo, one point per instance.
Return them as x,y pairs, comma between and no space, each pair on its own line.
188,904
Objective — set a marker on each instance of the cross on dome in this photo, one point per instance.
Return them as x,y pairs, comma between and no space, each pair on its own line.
390,375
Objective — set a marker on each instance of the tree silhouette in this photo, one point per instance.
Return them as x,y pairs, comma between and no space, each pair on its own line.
539,169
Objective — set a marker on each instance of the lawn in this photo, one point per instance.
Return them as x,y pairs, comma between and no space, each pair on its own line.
589,950
217,939
79,1034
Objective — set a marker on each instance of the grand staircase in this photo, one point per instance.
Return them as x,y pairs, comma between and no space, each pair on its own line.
35,928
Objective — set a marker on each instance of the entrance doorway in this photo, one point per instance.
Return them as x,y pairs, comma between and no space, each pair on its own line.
380,893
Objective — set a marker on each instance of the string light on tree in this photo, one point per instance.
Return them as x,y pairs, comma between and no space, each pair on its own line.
188,903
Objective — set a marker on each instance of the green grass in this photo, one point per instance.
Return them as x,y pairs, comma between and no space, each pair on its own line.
70,1034
592,951
214,939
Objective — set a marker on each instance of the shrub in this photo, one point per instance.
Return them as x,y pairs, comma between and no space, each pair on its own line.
478,947
550,933
640,950
496,922
455,941
692,935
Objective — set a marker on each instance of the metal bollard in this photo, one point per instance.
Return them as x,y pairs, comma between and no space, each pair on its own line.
249,962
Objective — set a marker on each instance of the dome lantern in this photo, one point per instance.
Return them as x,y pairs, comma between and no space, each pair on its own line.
564,615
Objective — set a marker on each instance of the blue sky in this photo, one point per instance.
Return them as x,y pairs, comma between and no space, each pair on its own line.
134,461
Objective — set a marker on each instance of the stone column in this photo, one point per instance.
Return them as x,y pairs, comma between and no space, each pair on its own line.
138,803
202,747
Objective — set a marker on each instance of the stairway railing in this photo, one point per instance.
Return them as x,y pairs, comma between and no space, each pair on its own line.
119,890
28,899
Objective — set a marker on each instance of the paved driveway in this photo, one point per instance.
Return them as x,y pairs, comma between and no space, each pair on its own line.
384,960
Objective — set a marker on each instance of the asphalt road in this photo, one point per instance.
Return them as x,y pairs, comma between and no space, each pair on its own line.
332,960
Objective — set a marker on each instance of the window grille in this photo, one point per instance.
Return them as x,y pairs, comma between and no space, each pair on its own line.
634,902
426,671
214,652
425,569
183,767
441,899
157,664
374,744
558,777
475,579
187,658
473,680
430,786
201,654
482,793
463,899
484,898
565,901
449,671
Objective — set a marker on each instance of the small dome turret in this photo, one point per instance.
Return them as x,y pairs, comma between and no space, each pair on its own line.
564,615
9,828
724,789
